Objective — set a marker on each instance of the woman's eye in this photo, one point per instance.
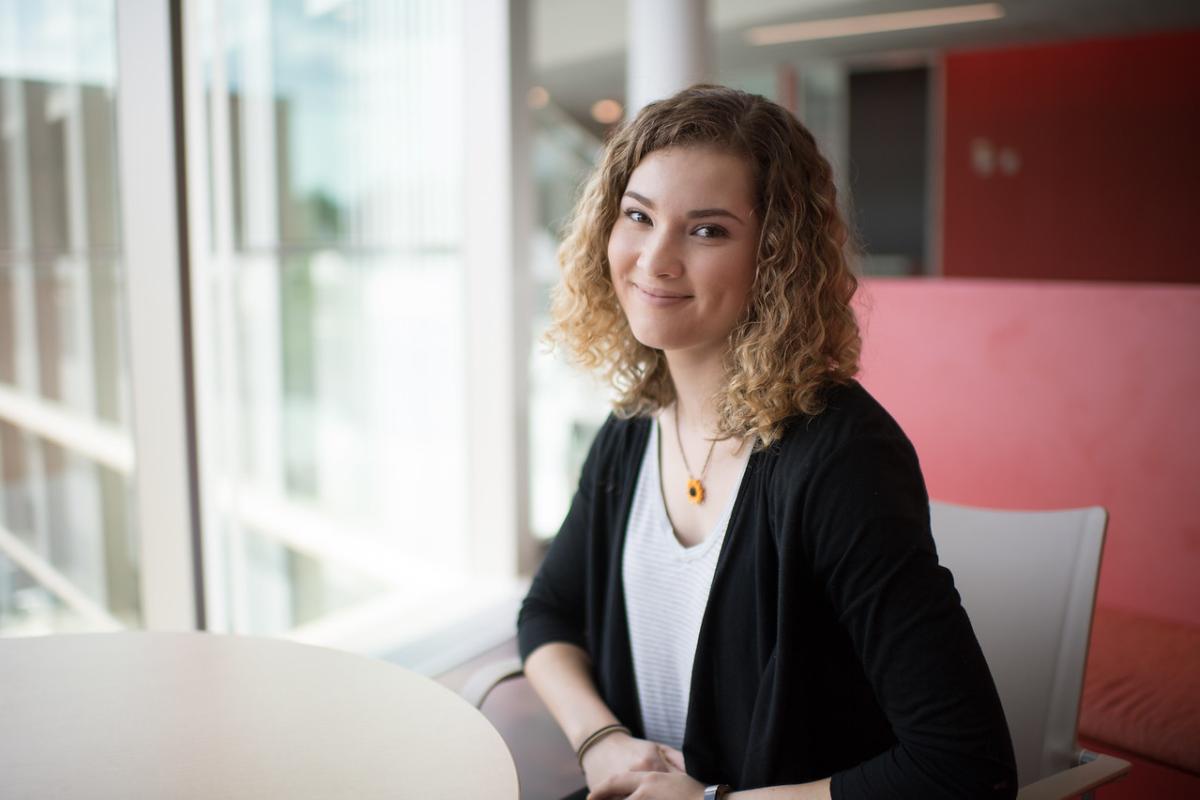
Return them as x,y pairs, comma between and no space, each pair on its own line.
711,232
636,216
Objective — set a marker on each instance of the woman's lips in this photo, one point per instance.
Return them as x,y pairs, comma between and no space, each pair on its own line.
660,297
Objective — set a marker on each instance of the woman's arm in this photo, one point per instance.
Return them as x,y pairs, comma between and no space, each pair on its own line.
561,675
553,641
868,540
817,790
676,786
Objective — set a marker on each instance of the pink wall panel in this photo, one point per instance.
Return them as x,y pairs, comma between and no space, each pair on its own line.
1052,395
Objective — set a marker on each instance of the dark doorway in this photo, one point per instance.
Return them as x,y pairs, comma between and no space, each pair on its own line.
889,128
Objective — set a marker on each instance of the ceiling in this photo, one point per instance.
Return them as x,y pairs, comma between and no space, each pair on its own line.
578,46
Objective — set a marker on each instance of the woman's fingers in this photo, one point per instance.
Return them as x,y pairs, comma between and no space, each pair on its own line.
617,786
651,760
648,785
672,757
619,753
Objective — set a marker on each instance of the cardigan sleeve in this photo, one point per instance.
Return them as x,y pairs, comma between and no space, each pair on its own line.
554,610
867,530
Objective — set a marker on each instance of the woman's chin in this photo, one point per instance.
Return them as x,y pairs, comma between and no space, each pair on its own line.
658,340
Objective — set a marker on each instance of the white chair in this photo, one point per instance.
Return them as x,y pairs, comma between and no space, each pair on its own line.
1028,582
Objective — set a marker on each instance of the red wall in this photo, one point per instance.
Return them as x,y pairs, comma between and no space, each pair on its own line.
1055,395
1107,135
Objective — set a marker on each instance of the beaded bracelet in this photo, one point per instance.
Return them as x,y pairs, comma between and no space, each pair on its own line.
597,736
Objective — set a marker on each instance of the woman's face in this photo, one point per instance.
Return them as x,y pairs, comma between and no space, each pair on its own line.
682,252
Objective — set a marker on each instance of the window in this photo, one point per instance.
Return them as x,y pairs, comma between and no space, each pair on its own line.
343,314
69,557
328,206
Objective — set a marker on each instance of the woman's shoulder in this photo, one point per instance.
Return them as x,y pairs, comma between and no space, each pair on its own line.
620,440
852,419
849,463
620,432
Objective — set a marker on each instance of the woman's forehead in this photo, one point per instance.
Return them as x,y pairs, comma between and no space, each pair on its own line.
697,172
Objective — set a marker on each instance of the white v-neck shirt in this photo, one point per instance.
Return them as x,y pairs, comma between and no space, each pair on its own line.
666,591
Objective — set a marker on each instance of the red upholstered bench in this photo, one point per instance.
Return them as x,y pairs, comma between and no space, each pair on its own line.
1141,702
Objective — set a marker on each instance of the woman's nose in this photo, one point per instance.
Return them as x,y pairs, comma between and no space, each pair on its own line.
660,255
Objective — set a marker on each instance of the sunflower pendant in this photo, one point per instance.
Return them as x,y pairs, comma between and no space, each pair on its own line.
695,491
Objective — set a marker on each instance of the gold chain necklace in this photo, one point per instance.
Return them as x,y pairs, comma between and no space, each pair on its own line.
695,486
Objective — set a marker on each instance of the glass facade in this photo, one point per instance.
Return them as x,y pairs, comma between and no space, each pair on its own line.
327,203
68,550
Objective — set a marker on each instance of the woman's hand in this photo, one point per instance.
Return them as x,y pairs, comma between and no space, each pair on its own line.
648,786
619,753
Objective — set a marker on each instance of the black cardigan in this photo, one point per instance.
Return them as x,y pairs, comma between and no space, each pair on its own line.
833,643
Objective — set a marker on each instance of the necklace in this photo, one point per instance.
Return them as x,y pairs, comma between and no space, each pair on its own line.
695,486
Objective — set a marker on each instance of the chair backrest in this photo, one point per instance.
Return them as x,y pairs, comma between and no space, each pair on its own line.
1028,582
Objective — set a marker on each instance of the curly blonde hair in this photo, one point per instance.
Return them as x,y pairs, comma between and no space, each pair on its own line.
799,334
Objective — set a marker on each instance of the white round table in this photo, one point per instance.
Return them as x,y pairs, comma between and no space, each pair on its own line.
195,715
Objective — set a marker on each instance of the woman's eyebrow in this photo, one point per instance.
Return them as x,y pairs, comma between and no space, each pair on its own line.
713,212
699,212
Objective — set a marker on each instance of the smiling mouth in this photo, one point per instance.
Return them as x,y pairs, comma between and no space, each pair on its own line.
660,294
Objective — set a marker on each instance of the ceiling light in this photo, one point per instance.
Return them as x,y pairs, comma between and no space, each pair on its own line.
872,23
538,97
607,111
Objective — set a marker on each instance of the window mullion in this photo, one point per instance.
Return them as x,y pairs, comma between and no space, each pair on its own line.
154,275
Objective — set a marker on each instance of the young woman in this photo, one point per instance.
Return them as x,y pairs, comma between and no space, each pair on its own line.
745,592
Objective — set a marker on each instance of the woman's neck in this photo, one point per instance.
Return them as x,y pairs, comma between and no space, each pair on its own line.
697,379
